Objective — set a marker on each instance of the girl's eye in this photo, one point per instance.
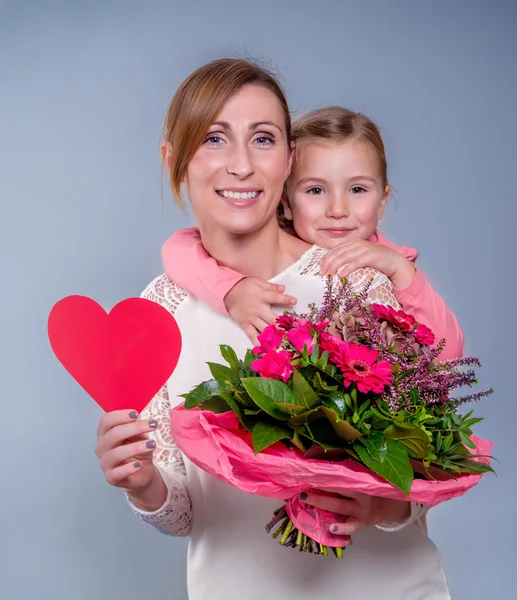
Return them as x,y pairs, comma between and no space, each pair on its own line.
357,189
264,140
316,191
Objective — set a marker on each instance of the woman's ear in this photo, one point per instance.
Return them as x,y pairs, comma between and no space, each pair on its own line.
290,159
288,212
166,152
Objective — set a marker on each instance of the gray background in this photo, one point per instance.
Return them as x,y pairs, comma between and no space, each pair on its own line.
84,209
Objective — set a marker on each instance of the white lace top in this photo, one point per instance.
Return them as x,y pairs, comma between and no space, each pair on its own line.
230,556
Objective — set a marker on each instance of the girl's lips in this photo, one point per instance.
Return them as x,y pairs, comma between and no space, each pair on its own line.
338,232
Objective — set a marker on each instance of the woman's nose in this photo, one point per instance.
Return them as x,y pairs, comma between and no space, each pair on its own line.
240,163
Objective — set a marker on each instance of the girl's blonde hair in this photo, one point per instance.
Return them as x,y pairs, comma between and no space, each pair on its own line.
336,124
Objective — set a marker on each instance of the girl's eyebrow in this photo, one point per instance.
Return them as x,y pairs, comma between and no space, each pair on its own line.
256,125
311,179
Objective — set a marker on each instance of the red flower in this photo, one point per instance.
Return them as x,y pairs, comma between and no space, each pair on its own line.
424,336
300,335
270,339
359,364
398,318
275,365
330,343
285,322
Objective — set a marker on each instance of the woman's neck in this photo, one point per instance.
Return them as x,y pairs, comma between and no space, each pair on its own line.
263,253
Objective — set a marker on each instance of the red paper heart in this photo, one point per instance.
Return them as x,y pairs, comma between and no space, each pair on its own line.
121,358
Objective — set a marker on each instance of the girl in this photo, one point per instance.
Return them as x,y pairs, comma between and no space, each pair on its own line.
228,143
335,196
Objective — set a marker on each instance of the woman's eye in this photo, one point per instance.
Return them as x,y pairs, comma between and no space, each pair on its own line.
357,189
316,191
213,139
264,140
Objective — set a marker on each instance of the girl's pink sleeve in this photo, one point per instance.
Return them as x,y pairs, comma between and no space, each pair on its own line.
429,308
187,263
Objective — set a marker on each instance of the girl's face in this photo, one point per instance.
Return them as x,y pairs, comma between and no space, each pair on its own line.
336,192
235,179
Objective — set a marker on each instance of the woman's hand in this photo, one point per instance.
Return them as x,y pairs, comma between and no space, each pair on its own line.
350,256
249,304
126,457
358,510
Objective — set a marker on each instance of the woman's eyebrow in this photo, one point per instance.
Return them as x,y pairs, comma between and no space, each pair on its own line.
260,123
255,125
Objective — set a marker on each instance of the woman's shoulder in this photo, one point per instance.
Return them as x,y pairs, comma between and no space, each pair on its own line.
165,292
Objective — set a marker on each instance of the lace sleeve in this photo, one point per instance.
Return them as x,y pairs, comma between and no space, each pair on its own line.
175,516
380,291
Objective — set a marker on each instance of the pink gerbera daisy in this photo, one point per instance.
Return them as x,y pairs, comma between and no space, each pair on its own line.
359,364
399,318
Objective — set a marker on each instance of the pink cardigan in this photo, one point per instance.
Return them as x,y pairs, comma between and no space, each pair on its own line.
187,263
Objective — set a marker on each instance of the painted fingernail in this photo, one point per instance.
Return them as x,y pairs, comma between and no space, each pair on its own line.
151,444
133,414
304,496
153,424
137,464
334,528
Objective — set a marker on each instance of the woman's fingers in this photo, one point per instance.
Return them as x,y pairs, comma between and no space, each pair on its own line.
350,526
127,452
120,433
120,474
115,417
332,503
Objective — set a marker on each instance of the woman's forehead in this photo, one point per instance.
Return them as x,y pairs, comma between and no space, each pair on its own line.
255,104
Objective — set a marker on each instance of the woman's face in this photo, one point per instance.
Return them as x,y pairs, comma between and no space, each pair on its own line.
336,192
235,179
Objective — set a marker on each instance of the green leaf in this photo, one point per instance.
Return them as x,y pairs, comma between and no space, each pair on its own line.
414,438
473,466
469,422
230,399
222,373
466,440
215,404
415,396
304,395
395,467
267,434
230,357
204,391
376,445
323,386
447,442
249,357
344,430
322,361
269,395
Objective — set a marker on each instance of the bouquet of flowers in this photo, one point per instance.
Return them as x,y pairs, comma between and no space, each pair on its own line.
349,395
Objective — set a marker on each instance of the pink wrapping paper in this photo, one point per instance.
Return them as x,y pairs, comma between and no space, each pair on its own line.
216,444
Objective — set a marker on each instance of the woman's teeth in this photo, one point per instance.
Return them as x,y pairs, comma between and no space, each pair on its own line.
238,195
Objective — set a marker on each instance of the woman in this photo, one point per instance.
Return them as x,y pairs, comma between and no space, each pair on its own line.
227,142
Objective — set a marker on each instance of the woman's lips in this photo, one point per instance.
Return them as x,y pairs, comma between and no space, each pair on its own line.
241,199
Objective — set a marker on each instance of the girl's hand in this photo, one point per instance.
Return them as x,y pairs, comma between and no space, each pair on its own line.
350,256
126,453
359,510
249,304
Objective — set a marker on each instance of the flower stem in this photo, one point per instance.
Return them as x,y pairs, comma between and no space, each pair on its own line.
286,533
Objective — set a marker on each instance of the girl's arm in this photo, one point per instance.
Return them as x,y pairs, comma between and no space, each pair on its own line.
187,264
247,300
428,307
